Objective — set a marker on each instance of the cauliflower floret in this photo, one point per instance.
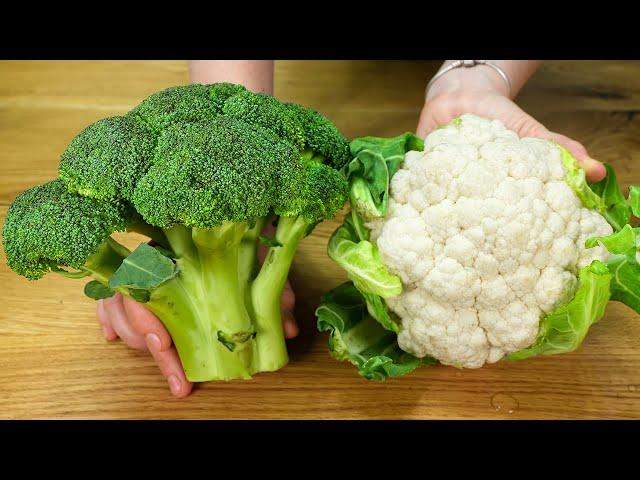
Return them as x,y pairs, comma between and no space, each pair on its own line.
486,237
554,287
454,337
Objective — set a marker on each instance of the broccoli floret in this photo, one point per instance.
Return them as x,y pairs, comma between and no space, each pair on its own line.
186,103
322,136
201,170
104,160
47,227
320,196
267,112
220,92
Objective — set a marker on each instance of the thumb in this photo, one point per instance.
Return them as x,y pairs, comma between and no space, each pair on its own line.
594,170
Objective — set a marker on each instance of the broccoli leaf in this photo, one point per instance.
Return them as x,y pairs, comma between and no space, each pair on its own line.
375,162
355,336
94,289
564,329
145,268
140,295
164,251
361,260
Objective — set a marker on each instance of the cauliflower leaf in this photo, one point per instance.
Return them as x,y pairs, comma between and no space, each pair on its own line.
375,161
355,336
361,260
564,329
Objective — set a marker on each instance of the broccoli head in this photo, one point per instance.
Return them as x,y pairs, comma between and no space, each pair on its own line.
206,173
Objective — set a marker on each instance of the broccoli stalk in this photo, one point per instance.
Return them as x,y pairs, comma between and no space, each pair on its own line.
266,291
224,319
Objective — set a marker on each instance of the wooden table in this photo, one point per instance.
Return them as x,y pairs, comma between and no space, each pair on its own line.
54,362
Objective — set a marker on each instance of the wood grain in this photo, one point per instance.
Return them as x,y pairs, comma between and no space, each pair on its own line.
55,364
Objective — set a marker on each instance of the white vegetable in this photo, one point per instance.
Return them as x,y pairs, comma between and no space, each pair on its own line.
486,237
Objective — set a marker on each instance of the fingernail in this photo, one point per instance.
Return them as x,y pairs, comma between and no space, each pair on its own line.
153,341
174,384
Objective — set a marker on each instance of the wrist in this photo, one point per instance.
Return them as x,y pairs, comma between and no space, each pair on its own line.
479,78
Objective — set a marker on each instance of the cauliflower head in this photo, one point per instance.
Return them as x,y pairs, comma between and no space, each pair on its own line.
486,237
472,246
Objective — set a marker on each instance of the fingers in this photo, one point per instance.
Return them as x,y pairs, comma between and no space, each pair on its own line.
288,299
594,170
287,304
114,307
146,324
142,330
170,366
105,322
158,341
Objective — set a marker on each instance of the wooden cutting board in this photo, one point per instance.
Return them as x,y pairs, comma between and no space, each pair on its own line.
54,362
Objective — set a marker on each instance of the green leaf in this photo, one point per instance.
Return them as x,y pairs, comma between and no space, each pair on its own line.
377,308
94,289
634,200
616,210
625,281
376,160
269,242
355,336
139,295
576,179
361,260
623,266
167,253
357,222
145,268
564,329
620,242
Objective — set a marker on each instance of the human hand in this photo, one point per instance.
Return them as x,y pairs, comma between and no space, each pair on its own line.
481,91
121,317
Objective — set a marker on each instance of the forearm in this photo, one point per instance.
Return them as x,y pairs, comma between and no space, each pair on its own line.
256,75
481,78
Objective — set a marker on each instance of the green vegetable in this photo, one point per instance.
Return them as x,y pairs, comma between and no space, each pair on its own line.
200,170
